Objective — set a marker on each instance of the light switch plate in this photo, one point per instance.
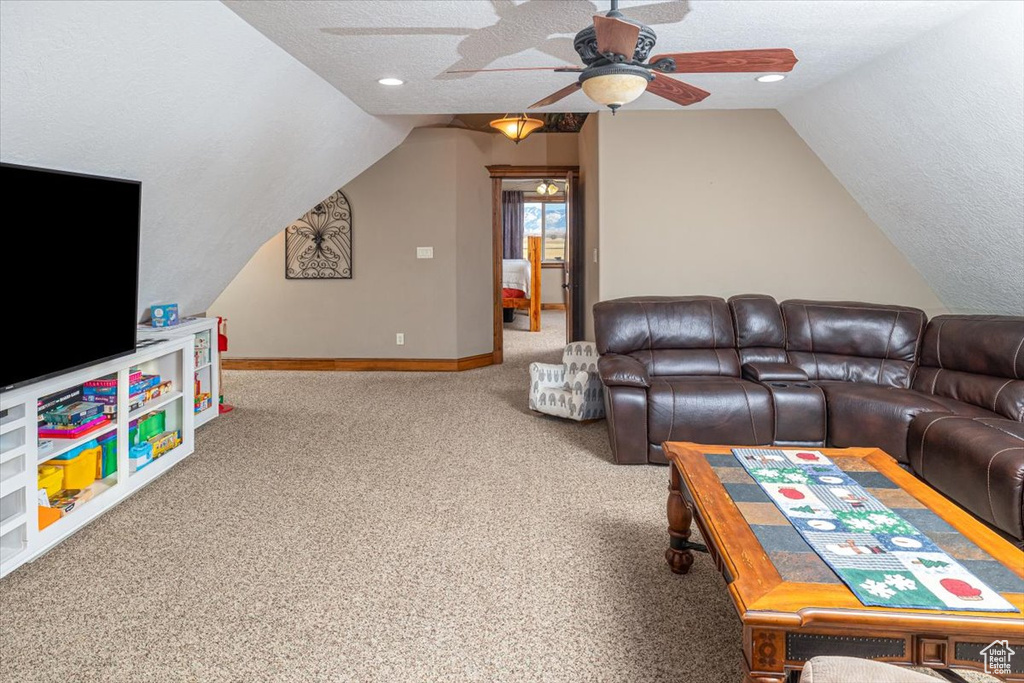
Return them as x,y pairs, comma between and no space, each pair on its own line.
424,252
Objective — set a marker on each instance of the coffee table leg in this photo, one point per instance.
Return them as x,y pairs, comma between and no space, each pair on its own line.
678,555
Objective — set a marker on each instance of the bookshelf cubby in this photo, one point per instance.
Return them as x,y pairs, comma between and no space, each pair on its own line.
21,539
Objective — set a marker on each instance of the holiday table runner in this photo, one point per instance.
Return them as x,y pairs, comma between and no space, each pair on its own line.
880,556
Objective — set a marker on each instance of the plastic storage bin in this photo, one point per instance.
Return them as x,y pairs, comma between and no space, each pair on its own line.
48,516
106,464
79,471
150,425
139,456
51,478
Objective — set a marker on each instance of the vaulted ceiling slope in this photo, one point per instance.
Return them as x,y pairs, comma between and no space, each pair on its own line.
231,137
929,139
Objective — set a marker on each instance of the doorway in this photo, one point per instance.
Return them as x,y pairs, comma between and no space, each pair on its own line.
536,227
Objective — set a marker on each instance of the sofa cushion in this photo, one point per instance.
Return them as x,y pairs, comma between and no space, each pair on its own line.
977,359
711,410
871,415
978,462
980,344
852,341
993,394
670,335
847,669
960,408
760,332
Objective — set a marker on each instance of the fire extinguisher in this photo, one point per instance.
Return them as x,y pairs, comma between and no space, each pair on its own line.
222,346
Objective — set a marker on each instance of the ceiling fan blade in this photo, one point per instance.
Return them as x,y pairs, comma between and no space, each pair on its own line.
615,35
731,61
676,91
521,68
555,96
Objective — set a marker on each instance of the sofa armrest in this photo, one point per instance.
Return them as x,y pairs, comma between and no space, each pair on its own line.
770,372
617,370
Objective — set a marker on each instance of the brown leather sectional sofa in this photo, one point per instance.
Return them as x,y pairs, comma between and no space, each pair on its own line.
944,397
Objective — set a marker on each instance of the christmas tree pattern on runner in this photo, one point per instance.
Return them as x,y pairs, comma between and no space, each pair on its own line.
885,560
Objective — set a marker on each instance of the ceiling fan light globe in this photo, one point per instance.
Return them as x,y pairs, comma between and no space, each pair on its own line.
614,90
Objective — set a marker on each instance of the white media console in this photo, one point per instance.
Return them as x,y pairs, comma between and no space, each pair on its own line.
170,353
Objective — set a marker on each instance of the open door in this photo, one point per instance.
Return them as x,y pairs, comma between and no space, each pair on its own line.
574,263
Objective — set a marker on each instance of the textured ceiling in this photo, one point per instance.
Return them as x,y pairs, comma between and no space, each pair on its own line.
930,141
353,43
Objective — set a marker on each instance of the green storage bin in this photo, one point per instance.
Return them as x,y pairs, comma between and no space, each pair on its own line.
108,460
151,425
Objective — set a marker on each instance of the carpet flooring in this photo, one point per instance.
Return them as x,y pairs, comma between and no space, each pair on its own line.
379,527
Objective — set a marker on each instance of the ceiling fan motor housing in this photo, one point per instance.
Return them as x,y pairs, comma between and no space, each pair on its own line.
585,43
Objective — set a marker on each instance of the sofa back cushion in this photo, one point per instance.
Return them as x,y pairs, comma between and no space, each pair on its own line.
760,331
853,341
690,335
977,359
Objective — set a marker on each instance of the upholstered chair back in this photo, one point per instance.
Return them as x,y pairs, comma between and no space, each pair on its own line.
671,336
853,341
975,359
580,356
760,332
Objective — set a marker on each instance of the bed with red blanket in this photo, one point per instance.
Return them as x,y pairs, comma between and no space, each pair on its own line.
520,283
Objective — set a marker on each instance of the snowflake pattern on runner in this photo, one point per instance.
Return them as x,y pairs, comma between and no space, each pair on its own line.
878,588
885,560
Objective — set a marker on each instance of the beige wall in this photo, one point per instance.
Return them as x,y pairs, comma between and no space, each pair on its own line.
724,202
589,187
474,303
540,149
432,190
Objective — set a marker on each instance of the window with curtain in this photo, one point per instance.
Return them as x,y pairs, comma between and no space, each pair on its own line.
547,221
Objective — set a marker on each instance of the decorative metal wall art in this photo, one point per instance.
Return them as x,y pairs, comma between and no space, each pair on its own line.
318,246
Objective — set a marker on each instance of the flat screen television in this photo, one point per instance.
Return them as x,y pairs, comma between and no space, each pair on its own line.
69,271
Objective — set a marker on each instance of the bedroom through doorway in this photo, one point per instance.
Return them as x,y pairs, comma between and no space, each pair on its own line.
535,212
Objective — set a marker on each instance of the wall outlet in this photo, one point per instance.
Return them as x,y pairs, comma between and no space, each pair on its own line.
400,338
424,252
595,254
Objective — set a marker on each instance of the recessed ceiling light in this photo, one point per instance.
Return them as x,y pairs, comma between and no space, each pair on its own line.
390,81
769,78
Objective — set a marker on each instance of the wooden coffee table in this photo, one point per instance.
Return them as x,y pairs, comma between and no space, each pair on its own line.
793,607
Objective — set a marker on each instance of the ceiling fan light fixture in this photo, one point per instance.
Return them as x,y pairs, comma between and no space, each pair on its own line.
390,81
516,128
547,187
770,78
615,85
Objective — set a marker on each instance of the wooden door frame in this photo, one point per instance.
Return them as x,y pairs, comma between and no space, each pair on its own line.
499,173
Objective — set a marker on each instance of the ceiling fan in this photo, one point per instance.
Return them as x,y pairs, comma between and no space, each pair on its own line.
614,50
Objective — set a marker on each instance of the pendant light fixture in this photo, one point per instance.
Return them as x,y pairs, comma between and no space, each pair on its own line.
517,128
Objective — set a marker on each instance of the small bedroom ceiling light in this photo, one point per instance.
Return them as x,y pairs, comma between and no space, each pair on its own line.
390,81
770,78
547,187
516,128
